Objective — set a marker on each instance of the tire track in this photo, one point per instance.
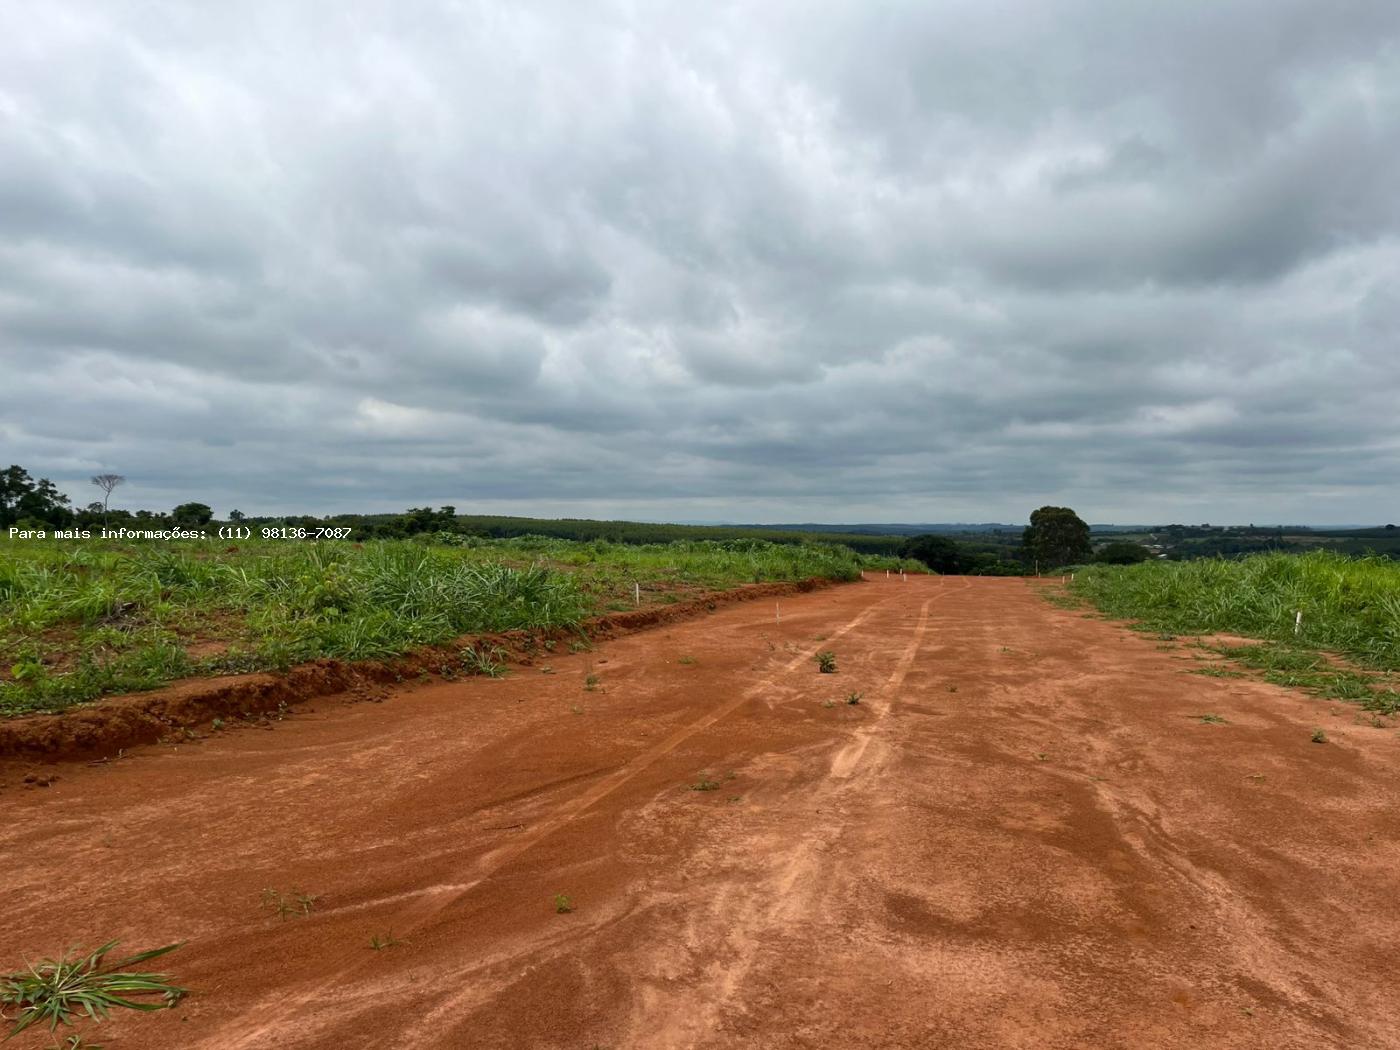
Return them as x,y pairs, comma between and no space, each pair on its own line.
430,901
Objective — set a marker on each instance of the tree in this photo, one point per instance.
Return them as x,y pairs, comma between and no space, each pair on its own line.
1056,536
236,515
939,553
106,482
190,514
21,497
1122,552
14,483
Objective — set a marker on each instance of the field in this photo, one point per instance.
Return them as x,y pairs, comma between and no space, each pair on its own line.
990,822
79,621
1349,607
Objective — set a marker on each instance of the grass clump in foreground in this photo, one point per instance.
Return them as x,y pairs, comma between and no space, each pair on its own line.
84,619
58,991
1350,606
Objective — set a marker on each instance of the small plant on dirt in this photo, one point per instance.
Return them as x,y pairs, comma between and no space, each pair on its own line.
952,689
853,698
686,661
486,662
563,904
576,709
284,905
1216,672
217,724
1211,719
379,941
590,682
705,784
546,669
1318,737
56,991
828,703
826,662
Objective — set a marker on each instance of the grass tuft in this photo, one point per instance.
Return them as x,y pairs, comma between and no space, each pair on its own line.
56,991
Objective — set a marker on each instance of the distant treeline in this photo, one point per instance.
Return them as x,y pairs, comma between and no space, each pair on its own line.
987,549
419,520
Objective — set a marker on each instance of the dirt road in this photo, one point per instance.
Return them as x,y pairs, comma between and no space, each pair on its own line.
1022,836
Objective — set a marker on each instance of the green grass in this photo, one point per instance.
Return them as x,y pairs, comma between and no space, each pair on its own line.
1350,606
80,620
63,990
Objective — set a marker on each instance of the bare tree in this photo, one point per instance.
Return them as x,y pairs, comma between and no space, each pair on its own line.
107,482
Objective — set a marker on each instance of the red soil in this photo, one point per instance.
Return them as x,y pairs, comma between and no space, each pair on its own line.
102,730
1021,836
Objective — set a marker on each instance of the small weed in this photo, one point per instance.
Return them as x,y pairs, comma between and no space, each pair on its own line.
563,904
546,669
578,646
686,661
1211,719
217,724
705,784
952,689
590,682
826,662
828,703
379,941
56,991
1041,756
1216,672
284,906
576,709
486,662
853,698
1318,737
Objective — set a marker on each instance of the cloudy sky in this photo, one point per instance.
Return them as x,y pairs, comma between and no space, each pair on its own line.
706,261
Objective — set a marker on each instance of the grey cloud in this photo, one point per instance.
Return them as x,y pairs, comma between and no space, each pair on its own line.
920,261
